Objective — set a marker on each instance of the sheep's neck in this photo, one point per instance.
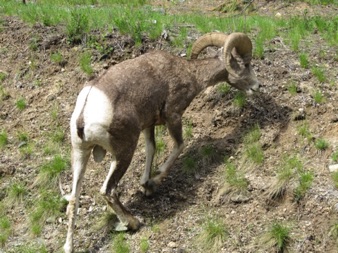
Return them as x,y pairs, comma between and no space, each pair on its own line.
208,72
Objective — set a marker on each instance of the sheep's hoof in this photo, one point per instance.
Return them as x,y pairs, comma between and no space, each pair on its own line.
150,187
133,224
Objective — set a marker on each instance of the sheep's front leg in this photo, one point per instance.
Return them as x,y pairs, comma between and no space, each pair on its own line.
149,136
175,130
79,162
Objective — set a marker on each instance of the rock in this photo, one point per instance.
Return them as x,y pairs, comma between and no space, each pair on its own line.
333,167
172,245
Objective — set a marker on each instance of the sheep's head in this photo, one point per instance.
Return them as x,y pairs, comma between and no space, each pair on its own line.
236,54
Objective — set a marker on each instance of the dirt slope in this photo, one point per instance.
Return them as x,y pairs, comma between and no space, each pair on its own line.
175,216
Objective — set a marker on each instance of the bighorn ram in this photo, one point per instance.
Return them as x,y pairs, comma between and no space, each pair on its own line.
136,95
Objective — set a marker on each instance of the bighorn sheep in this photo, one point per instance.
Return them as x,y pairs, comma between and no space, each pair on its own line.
136,95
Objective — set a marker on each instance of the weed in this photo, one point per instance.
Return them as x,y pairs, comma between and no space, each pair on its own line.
85,63
318,97
144,245
305,182
3,93
319,73
321,144
304,131
120,244
253,135
48,205
292,88
214,234
188,130
58,135
240,99
223,88
254,152
77,26
31,248
334,156
290,165
3,139
50,172
3,76
334,231
16,192
22,136
5,230
303,60
189,165
236,182
208,154
278,236
21,104
57,58
26,149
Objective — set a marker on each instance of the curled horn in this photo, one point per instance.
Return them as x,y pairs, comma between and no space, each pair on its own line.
243,46
210,39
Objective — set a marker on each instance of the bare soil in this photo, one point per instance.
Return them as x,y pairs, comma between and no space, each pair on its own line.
173,219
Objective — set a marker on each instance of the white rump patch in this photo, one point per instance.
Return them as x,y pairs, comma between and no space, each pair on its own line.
98,115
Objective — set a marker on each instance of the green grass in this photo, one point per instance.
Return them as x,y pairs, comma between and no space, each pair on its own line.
278,236
319,73
223,88
239,99
213,235
85,63
3,139
334,156
208,154
254,153
304,131
144,245
290,167
58,135
253,135
321,144
5,230
57,58
318,97
292,88
304,60
21,104
120,244
48,206
304,184
49,172
16,192
189,165
22,136
188,130
235,180
77,26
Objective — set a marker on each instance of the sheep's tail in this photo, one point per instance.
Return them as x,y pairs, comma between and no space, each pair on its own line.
80,124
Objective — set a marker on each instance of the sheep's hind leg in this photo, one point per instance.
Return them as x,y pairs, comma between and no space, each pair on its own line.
175,131
79,162
150,152
117,169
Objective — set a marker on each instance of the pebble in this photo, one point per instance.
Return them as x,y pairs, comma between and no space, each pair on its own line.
172,245
333,167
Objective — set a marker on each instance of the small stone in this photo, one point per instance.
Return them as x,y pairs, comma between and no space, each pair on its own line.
172,245
333,167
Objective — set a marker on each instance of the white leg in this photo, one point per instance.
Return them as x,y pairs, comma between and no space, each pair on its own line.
79,162
150,152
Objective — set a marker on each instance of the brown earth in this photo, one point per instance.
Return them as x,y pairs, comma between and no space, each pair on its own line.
174,218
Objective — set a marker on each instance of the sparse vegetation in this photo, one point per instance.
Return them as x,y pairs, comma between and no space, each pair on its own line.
5,229
278,236
213,235
321,144
120,244
318,97
188,130
240,99
85,63
50,172
3,139
335,156
144,245
21,104
304,61
292,88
